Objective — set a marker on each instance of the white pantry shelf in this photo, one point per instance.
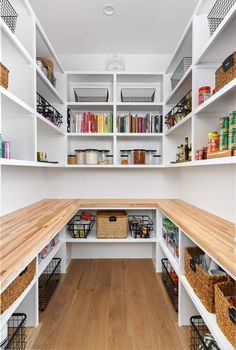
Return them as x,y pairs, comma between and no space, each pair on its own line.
89,104
44,262
214,161
171,97
91,134
13,103
16,162
179,124
173,261
49,124
138,134
51,93
209,318
139,104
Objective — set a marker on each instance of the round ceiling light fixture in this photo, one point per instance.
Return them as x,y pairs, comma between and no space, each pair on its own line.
109,10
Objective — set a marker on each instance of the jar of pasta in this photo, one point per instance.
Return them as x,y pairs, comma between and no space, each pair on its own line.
139,156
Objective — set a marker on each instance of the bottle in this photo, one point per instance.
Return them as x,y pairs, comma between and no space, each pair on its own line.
178,154
190,152
186,149
181,157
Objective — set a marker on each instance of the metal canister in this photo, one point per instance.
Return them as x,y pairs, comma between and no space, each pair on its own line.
232,139
232,120
213,142
6,149
40,156
224,125
223,141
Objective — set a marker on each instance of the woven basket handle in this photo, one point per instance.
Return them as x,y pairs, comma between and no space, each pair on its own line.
24,271
228,63
112,218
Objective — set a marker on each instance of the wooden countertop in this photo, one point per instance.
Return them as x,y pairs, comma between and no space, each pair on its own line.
26,231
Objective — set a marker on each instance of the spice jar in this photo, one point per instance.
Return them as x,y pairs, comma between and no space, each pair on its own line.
124,159
139,156
156,159
149,156
80,156
109,158
102,159
91,156
204,93
71,159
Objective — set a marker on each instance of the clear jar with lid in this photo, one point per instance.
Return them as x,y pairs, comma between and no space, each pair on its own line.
139,156
91,156
149,156
80,156
71,159
109,158
156,159
127,152
124,159
102,159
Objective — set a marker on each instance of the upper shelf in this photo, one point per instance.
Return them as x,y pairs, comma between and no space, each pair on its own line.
46,89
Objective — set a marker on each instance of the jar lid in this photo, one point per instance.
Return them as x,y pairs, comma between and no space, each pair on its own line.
126,150
79,150
109,155
156,155
124,156
151,150
139,149
103,150
204,88
90,150
71,155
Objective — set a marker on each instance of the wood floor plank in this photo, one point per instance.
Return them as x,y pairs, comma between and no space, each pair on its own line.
109,305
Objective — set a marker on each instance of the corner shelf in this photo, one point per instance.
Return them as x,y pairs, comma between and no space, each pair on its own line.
52,94
44,262
49,124
178,125
15,102
171,97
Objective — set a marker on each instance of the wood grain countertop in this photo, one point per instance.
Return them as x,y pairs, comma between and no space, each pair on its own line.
25,232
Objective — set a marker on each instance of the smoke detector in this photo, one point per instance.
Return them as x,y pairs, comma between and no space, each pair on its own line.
115,62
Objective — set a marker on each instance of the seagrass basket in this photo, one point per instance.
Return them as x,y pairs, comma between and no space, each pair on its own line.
4,76
17,287
201,281
225,313
226,72
112,224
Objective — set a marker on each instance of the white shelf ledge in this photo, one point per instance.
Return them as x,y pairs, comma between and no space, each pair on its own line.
179,124
16,162
138,134
173,261
209,318
50,91
16,42
91,134
140,104
171,97
44,262
214,161
89,104
115,166
49,124
16,100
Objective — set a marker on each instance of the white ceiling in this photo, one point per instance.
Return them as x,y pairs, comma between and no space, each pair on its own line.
138,26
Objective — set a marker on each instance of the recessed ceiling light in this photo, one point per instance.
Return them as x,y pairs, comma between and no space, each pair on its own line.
109,10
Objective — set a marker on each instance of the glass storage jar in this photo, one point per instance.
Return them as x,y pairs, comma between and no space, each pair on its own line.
127,152
102,159
156,159
124,159
139,156
80,156
91,156
109,159
149,156
71,159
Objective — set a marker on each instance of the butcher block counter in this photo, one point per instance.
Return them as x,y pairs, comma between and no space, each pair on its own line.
25,232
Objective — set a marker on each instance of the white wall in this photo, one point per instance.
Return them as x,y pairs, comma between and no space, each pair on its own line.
109,183
212,188
98,62
21,186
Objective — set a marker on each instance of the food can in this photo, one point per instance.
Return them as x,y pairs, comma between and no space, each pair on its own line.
40,156
204,93
232,139
232,120
213,142
6,149
223,141
224,125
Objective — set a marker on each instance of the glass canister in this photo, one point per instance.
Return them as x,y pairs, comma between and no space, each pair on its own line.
109,158
156,159
102,159
124,159
91,156
149,156
80,157
139,156
71,159
127,152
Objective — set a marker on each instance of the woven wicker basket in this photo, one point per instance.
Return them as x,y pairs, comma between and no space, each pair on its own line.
4,76
112,224
226,72
17,287
201,281
228,327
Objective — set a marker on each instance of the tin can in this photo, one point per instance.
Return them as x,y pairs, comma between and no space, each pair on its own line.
224,125
213,142
6,149
232,139
223,141
232,120
40,156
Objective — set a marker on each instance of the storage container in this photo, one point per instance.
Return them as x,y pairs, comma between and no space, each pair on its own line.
156,159
91,156
204,93
226,72
102,159
180,111
218,13
80,228
91,94
8,14
201,281
17,287
124,159
139,156
200,337
149,156
48,111
16,332
71,159
80,156
140,226
182,68
128,153
138,94
109,158
225,304
112,224
48,282
47,68
4,72
170,281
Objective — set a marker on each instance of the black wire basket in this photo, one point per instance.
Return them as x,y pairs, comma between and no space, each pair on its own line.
170,283
79,228
8,14
182,68
200,337
48,111
140,226
48,282
218,13
16,332
180,111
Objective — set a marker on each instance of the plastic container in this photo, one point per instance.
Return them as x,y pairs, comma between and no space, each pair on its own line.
80,156
156,159
91,156
139,156
109,158
204,93
124,159
149,156
102,159
71,159
127,152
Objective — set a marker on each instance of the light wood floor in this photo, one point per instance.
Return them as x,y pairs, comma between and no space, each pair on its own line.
109,305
